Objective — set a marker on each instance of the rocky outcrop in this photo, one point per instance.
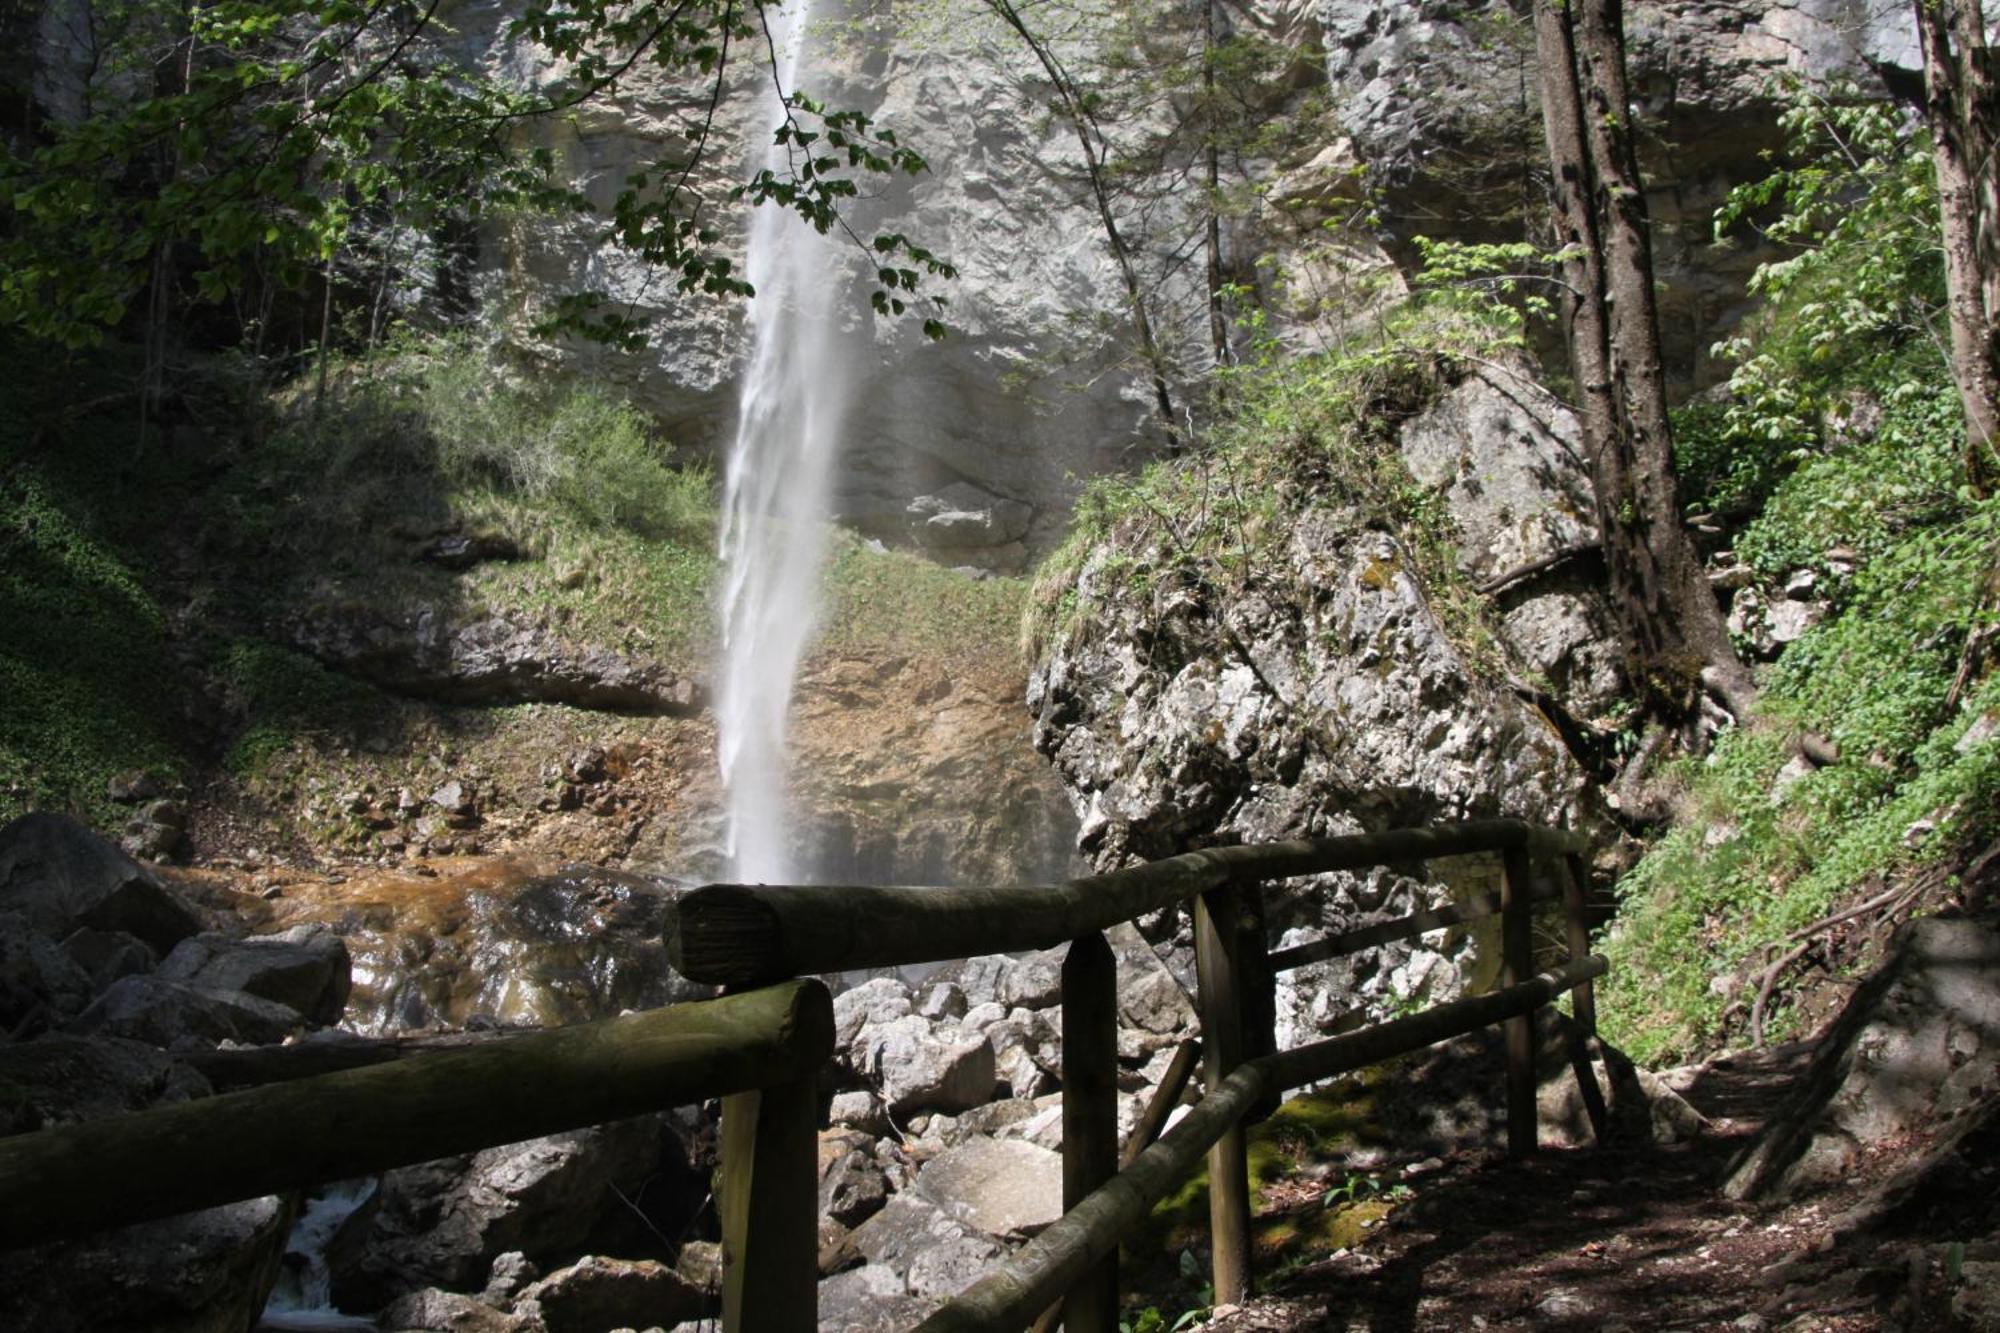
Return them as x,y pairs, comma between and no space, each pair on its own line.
1917,1047
424,654
1440,103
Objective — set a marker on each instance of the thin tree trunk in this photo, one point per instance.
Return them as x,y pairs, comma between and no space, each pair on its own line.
1958,107
1218,319
1675,638
1071,104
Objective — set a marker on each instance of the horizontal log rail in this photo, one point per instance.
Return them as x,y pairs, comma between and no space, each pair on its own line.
1013,1294
747,935
1475,908
59,1183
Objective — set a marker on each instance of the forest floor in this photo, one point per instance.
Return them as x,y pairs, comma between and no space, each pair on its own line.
1637,1238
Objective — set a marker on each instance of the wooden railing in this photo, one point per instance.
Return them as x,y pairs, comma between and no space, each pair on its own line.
746,935
761,1049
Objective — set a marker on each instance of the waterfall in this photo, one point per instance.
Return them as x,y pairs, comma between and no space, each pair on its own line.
776,499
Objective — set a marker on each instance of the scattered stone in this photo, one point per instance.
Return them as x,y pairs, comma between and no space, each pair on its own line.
924,1068
41,985
436,1311
595,1294
870,1299
132,788
1034,981
859,1109
941,1001
852,1188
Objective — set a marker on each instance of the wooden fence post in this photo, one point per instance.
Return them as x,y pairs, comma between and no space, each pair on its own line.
1583,1003
770,1210
1090,1113
1517,964
1218,970
1259,989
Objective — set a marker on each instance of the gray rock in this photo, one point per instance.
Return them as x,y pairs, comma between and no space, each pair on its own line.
877,1001
40,983
923,1068
936,1254
595,1294
1915,1046
64,877
436,1311
941,1000
175,1016
205,1272
443,1223
305,968
59,1079
858,1109
1034,981
852,1188
870,1299
1006,1189
107,955
1505,455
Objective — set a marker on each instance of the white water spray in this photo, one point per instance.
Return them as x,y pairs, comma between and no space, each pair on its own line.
775,502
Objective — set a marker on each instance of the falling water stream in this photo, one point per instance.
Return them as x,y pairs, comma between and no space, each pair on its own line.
776,499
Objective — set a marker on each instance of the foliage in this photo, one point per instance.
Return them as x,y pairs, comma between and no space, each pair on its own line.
86,689
901,602
1857,299
260,138
1843,433
1295,433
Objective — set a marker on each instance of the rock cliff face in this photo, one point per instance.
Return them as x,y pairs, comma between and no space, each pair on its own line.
1440,101
973,448
1327,695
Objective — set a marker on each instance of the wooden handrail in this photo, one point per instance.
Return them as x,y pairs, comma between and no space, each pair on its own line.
1476,908
743,934
65,1182
1010,1296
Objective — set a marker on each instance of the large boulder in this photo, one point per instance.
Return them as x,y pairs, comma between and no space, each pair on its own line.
305,969
41,984
63,877
938,1255
443,1223
1008,1189
60,1079
176,1016
204,1272
1916,1047
925,1068
595,1294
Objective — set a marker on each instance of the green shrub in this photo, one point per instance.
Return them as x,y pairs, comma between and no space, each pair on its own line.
1904,555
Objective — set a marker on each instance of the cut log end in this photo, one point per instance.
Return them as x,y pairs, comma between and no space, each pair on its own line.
724,935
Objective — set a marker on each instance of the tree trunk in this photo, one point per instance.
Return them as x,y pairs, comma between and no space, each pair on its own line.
1959,107
1674,636
1218,319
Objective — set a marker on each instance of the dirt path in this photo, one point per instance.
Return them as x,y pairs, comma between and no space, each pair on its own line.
1602,1240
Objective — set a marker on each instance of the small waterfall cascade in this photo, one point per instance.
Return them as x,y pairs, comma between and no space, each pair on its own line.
776,488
